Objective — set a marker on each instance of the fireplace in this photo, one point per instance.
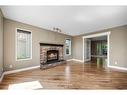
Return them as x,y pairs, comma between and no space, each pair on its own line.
51,53
52,56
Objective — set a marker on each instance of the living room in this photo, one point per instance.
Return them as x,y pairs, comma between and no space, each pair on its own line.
58,47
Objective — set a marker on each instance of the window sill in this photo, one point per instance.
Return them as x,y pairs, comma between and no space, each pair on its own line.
23,59
67,54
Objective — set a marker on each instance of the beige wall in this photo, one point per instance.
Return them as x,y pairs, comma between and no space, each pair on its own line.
1,42
38,35
118,46
77,47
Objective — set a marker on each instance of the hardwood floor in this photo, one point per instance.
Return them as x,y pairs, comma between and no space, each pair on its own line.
73,75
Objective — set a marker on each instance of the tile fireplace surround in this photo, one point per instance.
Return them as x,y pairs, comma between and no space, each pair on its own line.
44,47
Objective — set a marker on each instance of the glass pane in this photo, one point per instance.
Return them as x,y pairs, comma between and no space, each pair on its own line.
67,50
23,44
68,46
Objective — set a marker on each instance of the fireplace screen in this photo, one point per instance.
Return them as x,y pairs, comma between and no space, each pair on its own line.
52,55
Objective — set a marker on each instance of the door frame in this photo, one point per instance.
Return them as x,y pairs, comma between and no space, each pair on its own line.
98,35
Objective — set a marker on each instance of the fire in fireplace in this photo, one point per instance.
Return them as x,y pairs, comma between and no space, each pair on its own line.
52,55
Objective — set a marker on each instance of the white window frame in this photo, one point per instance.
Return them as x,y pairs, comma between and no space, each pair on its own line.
69,48
16,44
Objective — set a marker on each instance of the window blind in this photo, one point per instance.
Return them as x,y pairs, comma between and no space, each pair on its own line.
23,44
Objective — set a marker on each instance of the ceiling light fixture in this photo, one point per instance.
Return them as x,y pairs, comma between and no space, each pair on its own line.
57,29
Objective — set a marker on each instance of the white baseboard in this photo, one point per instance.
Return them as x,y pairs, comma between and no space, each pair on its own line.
116,67
78,60
19,70
75,60
70,60
87,60
1,78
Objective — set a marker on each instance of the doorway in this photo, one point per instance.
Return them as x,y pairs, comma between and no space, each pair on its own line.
96,49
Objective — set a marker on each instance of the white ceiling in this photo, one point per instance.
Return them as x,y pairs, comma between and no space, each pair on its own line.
72,20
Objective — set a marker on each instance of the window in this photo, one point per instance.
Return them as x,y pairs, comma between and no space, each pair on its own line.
23,45
68,47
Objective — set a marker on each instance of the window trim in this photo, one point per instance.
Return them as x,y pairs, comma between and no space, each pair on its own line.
69,48
16,44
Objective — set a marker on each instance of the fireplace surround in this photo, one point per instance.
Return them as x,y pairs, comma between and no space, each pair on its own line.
51,54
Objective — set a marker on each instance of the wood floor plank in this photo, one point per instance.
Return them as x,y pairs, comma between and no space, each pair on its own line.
73,75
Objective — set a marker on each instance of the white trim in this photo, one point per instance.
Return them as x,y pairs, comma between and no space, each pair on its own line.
16,71
119,68
75,60
83,50
87,60
16,45
70,60
98,35
108,49
19,70
69,47
2,76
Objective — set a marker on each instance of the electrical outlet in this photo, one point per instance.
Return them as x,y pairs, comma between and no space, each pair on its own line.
10,66
116,62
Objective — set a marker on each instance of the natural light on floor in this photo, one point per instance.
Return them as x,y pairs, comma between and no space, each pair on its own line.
26,85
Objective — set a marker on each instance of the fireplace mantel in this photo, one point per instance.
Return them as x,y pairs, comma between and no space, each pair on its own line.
50,44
